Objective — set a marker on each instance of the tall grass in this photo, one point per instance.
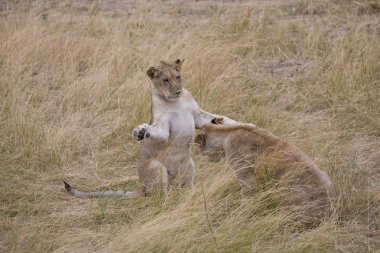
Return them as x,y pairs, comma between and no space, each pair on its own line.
73,86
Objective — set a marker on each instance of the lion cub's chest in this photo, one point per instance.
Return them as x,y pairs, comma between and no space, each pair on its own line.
180,116
182,125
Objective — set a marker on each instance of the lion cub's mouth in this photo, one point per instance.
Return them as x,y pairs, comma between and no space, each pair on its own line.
175,95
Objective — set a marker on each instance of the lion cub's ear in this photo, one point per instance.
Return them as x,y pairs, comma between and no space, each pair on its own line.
177,64
152,72
200,139
217,121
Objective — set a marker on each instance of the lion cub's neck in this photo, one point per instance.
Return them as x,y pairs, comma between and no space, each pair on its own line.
161,104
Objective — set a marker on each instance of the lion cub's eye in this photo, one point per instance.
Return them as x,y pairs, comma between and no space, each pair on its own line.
166,80
178,77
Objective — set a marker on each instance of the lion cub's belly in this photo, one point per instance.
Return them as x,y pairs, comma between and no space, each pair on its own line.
178,151
175,155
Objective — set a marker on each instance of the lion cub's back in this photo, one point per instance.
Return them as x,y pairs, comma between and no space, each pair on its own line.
298,180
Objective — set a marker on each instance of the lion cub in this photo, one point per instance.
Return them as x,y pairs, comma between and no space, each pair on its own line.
166,142
260,158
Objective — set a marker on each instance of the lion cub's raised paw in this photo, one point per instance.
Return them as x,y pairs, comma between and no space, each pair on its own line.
217,121
141,132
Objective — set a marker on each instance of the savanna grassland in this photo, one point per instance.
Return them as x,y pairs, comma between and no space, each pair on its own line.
73,86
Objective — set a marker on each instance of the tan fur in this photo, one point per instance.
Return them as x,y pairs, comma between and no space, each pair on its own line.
260,158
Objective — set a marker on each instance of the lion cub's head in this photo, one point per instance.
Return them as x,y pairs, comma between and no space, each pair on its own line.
166,78
210,142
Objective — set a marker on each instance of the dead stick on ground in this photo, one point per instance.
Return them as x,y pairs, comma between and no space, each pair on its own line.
208,220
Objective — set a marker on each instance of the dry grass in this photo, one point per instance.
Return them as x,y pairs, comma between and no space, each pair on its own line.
73,86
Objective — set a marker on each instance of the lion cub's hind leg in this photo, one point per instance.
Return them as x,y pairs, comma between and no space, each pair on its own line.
247,181
155,177
188,180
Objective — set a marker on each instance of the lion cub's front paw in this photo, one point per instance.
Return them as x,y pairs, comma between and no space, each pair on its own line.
141,132
217,121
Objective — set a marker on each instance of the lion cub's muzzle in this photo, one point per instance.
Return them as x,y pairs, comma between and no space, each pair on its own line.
176,94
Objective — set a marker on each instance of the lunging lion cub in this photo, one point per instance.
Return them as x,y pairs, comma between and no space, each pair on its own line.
165,151
259,158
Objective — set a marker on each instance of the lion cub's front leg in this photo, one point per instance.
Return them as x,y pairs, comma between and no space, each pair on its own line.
141,132
150,131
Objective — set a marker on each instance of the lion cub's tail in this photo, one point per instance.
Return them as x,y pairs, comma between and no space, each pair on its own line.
106,194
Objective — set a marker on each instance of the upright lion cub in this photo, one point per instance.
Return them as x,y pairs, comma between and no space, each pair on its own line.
259,157
165,151
166,142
